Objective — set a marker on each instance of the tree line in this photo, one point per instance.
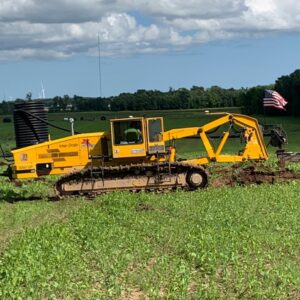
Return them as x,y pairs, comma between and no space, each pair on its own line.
197,97
287,86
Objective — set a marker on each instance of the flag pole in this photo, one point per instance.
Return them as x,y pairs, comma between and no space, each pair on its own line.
264,112
264,109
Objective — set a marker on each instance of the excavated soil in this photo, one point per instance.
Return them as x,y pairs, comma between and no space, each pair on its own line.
237,175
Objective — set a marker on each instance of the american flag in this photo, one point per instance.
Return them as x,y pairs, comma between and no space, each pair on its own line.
274,99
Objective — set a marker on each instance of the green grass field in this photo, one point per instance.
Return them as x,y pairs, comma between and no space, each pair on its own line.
219,243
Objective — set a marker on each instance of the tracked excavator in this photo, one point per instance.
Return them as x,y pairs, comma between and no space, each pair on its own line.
136,154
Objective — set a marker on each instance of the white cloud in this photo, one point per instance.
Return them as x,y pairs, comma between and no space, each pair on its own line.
62,28
56,11
191,8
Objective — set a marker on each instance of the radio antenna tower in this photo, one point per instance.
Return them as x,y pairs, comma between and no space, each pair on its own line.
99,66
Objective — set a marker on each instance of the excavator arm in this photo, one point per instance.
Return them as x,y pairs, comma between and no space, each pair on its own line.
254,148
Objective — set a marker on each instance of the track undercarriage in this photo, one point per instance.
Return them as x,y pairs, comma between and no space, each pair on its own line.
134,177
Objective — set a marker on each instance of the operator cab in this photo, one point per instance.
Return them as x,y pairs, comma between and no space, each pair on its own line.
128,132
137,137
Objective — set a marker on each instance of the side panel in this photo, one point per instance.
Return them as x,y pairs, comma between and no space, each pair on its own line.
128,151
60,156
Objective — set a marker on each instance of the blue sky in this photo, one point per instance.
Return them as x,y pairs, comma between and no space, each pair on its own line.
144,46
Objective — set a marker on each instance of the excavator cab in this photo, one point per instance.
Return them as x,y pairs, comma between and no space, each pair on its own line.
136,137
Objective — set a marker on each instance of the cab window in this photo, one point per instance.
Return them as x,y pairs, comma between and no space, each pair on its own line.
128,132
155,129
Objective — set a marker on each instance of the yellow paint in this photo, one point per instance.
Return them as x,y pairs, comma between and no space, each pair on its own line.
255,148
64,155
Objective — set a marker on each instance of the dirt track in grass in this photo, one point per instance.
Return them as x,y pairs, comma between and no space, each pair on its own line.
236,175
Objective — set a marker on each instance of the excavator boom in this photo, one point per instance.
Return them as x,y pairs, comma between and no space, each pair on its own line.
254,148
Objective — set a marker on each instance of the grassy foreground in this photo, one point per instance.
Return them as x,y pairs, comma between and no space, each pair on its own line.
224,243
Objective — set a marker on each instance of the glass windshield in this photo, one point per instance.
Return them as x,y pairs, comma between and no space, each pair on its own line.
128,132
155,129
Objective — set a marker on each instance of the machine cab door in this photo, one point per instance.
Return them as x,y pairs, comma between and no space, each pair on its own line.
128,138
156,143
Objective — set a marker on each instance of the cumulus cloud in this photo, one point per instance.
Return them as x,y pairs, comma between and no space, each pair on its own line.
204,9
56,11
62,28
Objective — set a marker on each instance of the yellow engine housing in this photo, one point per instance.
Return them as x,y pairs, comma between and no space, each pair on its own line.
60,156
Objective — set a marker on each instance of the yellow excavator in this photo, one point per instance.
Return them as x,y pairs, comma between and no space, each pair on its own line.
134,155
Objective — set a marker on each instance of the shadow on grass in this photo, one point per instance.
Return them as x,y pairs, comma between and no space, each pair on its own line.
11,196
26,190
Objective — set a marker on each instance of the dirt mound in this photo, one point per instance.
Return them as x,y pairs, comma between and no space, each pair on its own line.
250,175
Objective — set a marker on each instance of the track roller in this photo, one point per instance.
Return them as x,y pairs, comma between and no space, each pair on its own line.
196,178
